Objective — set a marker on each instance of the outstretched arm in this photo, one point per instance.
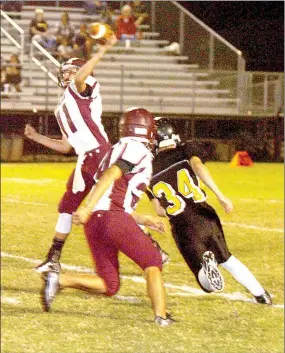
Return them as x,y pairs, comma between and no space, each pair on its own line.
61,146
160,211
149,221
203,173
110,175
88,68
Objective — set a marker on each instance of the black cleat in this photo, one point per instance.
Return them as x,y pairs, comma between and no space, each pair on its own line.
210,268
264,298
50,287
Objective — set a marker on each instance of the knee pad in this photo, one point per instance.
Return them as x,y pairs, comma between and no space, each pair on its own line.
64,223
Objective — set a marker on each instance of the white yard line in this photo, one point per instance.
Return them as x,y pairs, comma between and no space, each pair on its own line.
252,226
29,181
9,300
186,290
260,200
24,202
238,225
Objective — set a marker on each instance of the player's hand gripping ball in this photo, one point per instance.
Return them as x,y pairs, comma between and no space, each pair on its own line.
101,32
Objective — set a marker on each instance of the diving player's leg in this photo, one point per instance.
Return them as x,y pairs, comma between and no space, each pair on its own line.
245,277
193,239
67,205
236,268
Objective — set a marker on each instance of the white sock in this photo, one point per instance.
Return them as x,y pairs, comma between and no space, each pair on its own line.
64,223
204,281
243,275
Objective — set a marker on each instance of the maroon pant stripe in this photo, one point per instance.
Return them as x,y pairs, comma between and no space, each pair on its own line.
60,124
68,119
85,111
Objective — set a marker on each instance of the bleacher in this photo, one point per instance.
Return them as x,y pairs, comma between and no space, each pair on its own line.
143,75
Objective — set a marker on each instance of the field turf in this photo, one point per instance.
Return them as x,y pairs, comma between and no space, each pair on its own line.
79,322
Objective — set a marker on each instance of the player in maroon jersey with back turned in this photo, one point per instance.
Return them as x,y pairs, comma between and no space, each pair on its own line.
111,225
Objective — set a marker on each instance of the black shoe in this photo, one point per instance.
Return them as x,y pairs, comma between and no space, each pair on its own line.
164,322
264,298
50,287
210,268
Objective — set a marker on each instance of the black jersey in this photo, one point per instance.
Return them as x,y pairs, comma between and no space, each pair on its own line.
174,183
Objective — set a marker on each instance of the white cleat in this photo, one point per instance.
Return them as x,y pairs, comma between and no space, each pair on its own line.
210,268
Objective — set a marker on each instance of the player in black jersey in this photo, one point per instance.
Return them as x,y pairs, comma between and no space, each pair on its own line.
176,192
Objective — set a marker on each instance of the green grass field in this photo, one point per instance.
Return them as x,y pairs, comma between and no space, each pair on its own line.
216,323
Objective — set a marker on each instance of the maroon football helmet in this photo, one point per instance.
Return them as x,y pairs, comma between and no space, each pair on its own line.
70,66
138,122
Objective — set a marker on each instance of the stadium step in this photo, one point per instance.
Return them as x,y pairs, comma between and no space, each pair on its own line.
146,83
172,77
110,106
142,91
143,58
147,67
149,99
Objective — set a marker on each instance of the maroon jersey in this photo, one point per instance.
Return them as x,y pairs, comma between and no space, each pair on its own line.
135,160
174,183
79,117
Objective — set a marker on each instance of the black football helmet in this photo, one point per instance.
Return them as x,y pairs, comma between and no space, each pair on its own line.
165,135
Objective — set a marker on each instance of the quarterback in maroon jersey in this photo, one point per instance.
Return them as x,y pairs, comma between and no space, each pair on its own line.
111,224
79,117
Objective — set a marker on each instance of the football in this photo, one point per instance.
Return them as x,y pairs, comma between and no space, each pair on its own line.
101,32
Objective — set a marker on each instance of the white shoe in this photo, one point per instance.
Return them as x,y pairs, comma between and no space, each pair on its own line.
210,268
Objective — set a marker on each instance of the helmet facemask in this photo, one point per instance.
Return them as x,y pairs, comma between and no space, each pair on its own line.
64,81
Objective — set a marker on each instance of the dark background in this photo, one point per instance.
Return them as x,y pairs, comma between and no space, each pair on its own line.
254,27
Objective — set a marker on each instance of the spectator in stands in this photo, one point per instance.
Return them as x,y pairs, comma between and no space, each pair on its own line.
64,50
107,17
12,75
127,24
2,75
64,29
139,9
38,25
83,43
94,8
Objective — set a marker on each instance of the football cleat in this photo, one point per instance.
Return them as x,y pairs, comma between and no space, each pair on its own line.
164,322
49,264
210,268
165,257
46,266
264,298
50,287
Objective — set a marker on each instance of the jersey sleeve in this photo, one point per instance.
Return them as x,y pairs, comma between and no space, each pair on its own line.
92,88
195,149
132,155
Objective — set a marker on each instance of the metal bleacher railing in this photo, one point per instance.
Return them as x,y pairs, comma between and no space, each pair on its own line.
17,32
